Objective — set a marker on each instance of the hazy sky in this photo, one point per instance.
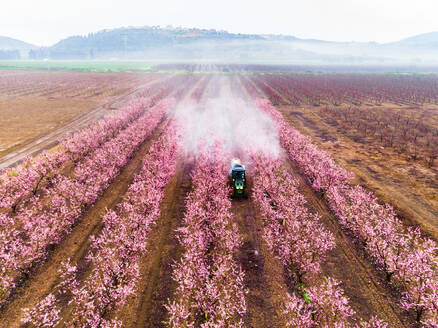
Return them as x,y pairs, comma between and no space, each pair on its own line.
44,22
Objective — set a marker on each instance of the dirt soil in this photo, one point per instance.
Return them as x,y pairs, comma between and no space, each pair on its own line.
260,311
366,288
156,287
75,245
410,187
33,122
147,307
265,277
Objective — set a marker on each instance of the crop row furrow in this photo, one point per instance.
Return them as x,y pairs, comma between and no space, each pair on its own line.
116,252
26,239
211,291
300,242
408,259
24,181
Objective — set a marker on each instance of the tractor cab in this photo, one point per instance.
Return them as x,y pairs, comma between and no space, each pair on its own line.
237,177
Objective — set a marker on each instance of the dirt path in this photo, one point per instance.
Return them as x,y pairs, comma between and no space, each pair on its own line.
384,173
260,309
76,244
264,275
368,293
36,146
146,308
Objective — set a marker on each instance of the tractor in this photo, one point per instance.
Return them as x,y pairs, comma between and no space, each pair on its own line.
237,177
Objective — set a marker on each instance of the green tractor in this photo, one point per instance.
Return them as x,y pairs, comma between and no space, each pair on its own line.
237,177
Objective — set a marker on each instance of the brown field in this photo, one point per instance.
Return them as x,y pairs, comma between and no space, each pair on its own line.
398,170
409,185
32,110
40,107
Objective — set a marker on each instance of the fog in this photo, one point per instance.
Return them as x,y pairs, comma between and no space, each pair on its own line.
283,50
241,128
274,50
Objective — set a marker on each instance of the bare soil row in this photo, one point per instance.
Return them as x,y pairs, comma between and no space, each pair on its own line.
369,294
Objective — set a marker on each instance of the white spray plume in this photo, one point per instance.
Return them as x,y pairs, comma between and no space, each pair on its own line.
241,127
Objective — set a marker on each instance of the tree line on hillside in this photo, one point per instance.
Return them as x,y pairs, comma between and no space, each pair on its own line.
154,41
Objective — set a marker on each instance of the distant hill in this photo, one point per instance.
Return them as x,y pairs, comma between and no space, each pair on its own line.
169,43
12,46
426,40
422,48
156,43
141,42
